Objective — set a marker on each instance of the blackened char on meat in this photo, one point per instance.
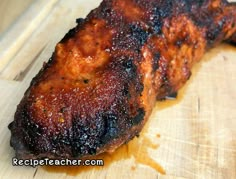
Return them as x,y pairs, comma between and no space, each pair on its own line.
101,83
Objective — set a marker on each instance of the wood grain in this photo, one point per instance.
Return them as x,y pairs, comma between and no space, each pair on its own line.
13,40
197,131
10,10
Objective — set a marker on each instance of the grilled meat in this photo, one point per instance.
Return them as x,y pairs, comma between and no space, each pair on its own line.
101,83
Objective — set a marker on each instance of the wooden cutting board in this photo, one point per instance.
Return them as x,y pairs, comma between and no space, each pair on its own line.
193,136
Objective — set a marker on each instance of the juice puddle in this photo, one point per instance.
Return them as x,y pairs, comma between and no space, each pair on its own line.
137,149
142,156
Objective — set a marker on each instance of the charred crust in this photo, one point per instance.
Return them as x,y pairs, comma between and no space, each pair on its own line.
69,35
214,31
139,88
157,14
27,135
172,95
86,81
86,135
111,127
156,20
108,12
126,65
79,21
132,37
199,2
126,91
156,59
133,75
179,43
63,110
188,5
167,8
165,88
73,31
139,117
130,67
139,34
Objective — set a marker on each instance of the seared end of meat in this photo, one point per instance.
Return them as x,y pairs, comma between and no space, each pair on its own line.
74,108
32,143
74,119
99,88
73,133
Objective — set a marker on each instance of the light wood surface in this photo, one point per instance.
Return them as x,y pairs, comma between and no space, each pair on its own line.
17,37
196,133
10,10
